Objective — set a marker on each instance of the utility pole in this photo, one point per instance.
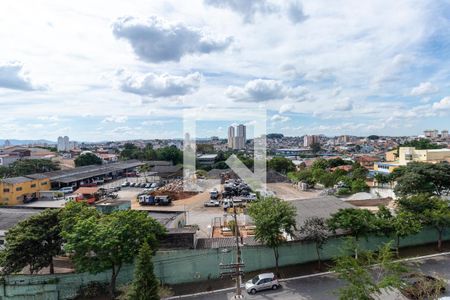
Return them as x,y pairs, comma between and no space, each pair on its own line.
234,269
238,256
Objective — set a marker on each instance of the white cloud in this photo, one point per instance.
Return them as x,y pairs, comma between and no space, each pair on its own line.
279,118
343,105
286,108
248,9
424,88
261,90
442,105
115,119
163,85
12,76
157,40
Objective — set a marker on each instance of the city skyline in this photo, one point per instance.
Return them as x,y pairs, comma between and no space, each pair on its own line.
111,71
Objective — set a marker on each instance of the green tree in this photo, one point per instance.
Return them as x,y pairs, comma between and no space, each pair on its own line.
131,151
417,177
29,166
281,164
315,148
430,211
273,217
357,222
405,224
439,219
145,286
358,172
102,242
320,163
359,185
315,230
368,274
336,162
421,144
87,159
74,211
32,243
170,153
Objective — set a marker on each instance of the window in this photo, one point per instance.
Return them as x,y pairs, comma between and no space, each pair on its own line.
33,185
18,189
44,183
5,190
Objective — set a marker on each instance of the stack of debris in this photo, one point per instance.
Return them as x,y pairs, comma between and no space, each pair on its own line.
173,189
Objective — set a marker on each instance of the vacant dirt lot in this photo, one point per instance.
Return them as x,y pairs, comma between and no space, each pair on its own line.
287,191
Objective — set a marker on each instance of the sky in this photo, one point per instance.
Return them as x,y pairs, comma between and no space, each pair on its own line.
118,70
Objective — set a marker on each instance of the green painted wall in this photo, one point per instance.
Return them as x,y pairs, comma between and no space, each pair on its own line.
181,266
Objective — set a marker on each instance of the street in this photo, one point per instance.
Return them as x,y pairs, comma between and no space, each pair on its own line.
324,287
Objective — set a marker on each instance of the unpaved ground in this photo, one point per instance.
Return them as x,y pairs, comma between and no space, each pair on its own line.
287,191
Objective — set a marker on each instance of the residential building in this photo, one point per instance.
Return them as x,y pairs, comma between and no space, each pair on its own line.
7,143
16,190
410,154
444,134
308,140
64,144
431,133
231,136
241,136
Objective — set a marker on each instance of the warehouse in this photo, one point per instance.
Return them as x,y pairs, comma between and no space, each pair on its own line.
91,174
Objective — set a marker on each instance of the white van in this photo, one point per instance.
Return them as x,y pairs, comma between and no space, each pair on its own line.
66,190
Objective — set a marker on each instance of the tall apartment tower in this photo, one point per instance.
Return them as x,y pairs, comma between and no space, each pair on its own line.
444,134
308,140
231,137
241,137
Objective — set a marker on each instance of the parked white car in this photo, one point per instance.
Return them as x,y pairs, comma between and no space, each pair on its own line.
266,281
212,203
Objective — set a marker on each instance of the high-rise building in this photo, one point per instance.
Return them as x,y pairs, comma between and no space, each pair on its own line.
433,133
308,140
231,137
241,137
444,134
7,143
237,137
64,144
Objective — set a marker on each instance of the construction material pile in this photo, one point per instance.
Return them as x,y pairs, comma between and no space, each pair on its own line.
174,189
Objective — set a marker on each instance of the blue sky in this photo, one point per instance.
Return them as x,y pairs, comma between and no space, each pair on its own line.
114,70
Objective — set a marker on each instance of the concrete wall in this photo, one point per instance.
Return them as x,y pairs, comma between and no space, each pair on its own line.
181,266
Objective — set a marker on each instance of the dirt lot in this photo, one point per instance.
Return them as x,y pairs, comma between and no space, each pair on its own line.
287,191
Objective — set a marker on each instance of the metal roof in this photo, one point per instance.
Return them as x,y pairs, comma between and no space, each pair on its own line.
9,217
80,173
322,207
16,180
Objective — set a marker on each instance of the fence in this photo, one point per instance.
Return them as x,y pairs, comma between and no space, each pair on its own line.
182,266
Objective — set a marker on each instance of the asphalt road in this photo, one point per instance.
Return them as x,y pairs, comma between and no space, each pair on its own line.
324,287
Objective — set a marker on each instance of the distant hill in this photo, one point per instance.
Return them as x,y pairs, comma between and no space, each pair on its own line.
26,142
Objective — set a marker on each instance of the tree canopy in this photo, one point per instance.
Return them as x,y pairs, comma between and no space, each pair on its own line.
32,243
429,210
273,218
281,164
362,280
87,159
358,222
421,144
101,242
145,286
315,229
23,167
417,177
